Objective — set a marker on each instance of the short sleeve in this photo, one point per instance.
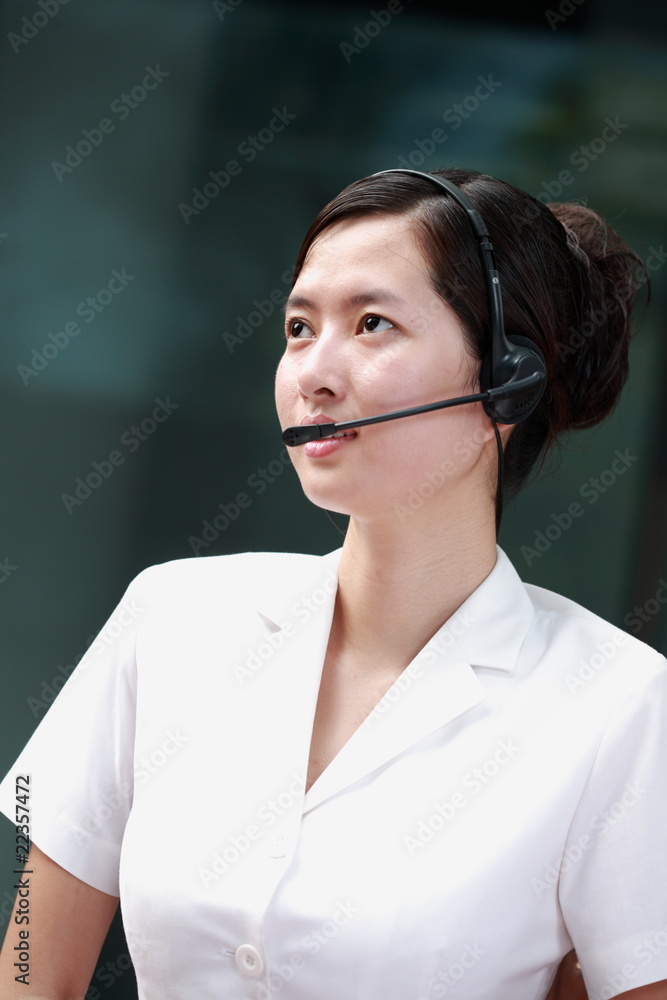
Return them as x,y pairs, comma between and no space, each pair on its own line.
613,885
80,758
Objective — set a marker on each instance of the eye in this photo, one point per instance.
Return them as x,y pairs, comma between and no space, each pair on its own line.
372,324
296,329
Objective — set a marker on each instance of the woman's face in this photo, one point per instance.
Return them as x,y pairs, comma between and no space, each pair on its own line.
366,334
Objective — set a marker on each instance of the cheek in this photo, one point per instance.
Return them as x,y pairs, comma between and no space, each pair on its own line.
405,452
283,390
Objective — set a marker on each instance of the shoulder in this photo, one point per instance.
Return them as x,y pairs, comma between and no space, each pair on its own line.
588,646
196,568
240,574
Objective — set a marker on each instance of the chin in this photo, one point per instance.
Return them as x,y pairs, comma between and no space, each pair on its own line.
354,500
330,500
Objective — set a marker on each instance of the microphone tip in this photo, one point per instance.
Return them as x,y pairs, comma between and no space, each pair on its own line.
291,437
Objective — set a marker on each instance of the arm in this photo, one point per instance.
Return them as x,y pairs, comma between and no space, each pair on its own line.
569,985
69,920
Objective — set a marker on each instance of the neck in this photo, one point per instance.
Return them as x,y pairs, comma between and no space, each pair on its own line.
398,584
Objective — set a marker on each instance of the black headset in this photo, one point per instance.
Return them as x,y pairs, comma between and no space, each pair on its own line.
508,359
513,371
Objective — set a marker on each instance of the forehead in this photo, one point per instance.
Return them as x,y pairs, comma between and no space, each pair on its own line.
371,243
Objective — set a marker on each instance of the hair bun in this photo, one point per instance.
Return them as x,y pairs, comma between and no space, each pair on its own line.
593,351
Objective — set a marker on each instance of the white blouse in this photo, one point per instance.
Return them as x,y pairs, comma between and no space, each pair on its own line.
504,802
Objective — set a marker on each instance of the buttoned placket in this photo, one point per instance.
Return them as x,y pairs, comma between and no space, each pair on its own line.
441,692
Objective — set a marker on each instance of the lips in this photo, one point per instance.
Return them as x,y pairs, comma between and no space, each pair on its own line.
317,418
329,445
324,418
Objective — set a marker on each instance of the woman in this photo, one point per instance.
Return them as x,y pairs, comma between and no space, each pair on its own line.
385,772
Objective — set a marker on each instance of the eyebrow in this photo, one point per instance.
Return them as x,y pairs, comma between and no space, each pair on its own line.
381,296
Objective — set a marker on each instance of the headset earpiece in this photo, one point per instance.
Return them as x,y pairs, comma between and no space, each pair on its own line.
524,359
508,359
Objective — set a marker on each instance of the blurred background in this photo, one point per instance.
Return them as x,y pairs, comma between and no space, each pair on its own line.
161,163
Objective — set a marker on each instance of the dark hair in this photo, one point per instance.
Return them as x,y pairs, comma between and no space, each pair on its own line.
568,283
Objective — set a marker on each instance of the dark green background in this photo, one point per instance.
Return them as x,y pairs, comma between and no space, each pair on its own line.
163,336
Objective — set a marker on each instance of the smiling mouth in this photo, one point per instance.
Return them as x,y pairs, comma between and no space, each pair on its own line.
342,434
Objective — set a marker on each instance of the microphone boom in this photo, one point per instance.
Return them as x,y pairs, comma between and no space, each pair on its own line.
294,436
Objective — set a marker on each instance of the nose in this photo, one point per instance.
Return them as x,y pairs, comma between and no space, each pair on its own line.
321,370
